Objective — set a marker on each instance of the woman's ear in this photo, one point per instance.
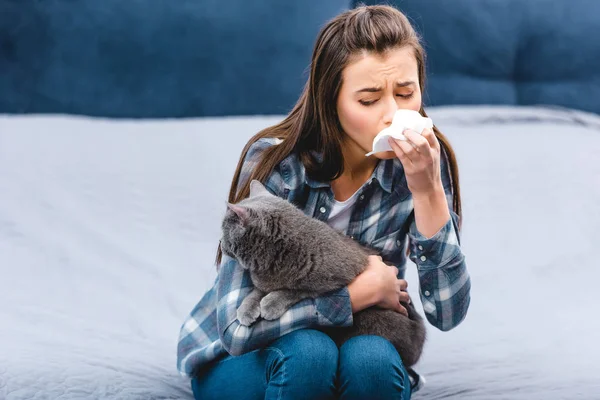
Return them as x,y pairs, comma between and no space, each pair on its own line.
242,212
258,189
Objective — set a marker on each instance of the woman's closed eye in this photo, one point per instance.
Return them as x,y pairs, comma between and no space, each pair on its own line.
370,102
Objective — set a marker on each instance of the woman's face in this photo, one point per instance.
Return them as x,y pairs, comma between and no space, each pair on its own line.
373,88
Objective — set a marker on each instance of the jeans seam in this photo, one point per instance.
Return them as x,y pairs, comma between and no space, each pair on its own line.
280,353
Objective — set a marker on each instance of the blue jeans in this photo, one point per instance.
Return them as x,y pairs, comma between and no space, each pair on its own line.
307,364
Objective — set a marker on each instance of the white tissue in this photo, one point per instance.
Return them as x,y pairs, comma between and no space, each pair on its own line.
403,119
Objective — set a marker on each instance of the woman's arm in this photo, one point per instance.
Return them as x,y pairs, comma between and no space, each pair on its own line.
434,238
333,309
234,284
431,211
445,284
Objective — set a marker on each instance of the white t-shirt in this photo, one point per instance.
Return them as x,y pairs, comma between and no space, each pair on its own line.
339,217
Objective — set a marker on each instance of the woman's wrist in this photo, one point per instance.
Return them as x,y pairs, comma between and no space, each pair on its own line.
434,193
361,296
431,211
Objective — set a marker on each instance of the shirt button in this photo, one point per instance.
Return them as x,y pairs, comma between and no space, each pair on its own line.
426,293
423,258
362,197
322,209
420,247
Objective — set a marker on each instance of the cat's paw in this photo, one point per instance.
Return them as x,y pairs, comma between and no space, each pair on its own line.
248,313
271,307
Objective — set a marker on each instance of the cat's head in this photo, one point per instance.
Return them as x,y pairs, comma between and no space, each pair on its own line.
252,219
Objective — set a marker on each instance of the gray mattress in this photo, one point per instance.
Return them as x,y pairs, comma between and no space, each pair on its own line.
108,231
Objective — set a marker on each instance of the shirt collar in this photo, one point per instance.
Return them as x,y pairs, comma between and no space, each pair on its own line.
315,184
387,174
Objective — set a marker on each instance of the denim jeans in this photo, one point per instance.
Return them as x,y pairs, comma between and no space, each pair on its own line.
307,364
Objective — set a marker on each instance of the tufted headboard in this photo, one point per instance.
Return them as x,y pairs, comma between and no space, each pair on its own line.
157,58
187,58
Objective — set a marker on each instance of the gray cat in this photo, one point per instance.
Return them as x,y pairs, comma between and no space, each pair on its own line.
291,256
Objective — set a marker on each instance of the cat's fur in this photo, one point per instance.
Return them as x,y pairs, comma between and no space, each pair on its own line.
291,256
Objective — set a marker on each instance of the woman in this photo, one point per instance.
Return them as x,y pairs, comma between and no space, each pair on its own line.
367,64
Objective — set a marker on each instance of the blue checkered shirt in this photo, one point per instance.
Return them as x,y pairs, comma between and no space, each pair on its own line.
382,218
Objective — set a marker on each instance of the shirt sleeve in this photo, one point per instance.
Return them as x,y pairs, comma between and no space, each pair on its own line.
445,284
234,284
333,309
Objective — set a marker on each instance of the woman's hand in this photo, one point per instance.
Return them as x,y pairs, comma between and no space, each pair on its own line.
378,285
420,157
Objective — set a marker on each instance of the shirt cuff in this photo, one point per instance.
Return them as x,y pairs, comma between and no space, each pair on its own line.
334,309
436,251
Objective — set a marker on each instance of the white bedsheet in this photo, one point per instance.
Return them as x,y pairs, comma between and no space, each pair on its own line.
108,231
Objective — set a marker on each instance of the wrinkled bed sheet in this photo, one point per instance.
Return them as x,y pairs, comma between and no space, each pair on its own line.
108,231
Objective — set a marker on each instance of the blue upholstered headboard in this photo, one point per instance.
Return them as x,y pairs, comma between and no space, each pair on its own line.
185,58
156,58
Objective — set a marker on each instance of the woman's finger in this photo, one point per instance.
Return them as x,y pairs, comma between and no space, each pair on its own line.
402,284
404,298
429,135
400,308
420,143
403,151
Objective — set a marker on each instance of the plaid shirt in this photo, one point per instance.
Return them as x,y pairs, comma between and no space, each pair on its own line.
382,218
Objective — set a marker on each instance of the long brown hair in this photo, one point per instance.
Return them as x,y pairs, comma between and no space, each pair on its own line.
313,124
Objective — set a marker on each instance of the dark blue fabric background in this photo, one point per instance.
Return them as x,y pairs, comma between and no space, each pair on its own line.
187,58
157,58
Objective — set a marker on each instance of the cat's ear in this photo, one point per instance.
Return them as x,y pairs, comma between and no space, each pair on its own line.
242,212
258,189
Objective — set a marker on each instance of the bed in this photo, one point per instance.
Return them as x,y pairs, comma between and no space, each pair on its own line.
108,229
109,221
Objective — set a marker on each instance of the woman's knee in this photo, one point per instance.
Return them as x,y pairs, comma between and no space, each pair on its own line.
370,352
308,346
301,365
370,366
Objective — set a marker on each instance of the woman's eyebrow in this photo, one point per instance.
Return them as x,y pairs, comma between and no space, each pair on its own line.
376,89
369,89
405,83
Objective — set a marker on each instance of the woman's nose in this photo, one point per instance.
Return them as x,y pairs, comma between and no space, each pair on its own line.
390,109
